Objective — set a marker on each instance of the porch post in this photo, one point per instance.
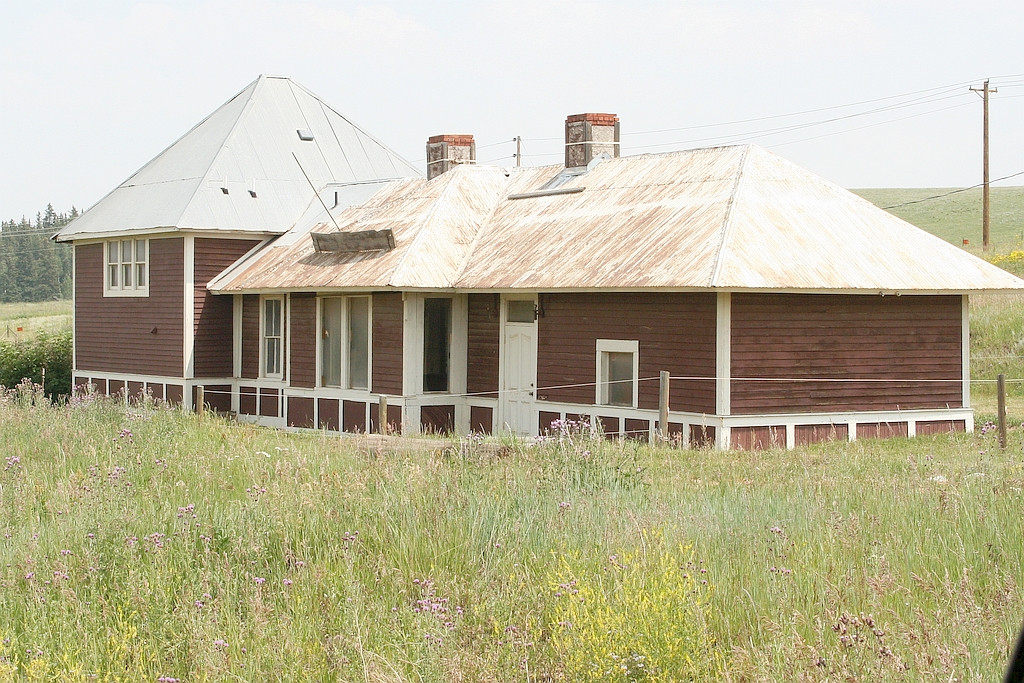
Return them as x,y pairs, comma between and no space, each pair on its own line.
723,367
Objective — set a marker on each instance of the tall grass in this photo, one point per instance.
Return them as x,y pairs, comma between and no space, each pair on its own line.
142,543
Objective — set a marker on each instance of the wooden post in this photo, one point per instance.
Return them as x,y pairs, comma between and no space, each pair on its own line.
1001,391
200,399
382,415
663,387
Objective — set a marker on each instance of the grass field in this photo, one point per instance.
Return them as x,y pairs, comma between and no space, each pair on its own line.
33,318
145,544
957,216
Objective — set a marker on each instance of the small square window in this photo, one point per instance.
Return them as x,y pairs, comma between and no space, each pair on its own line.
521,311
618,364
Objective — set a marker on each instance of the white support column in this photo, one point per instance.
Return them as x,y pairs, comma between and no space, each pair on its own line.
723,366
458,361
412,361
236,348
965,351
74,298
189,323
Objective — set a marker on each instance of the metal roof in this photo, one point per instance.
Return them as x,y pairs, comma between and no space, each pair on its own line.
724,218
245,146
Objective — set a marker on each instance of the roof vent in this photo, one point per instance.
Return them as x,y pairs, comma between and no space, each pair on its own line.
306,135
364,240
252,193
224,190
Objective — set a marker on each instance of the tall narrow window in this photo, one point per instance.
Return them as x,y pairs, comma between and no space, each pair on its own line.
127,268
331,341
358,342
273,337
345,342
617,372
437,330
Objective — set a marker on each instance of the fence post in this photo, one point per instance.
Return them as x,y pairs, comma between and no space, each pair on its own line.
382,414
200,399
1001,391
663,386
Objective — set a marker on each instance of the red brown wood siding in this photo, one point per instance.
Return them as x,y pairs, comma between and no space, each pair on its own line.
302,312
137,335
939,427
808,434
300,411
327,411
269,402
214,340
175,393
216,396
353,417
881,430
388,313
544,420
135,390
251,336
840,337
758,438
637,429
481,419
482,348
676,332
394,419
247,400
701,436
438,419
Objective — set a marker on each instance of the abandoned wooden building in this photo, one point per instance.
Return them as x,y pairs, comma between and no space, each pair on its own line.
786,309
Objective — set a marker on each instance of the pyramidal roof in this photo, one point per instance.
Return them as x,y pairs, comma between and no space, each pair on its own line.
725,218
235,170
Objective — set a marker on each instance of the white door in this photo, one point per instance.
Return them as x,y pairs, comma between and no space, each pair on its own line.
519,366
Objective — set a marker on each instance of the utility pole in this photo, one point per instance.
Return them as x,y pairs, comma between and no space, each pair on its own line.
984,90
519,150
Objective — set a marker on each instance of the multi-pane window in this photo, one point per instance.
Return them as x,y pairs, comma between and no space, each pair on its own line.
127,268
272,326
345,342
617,372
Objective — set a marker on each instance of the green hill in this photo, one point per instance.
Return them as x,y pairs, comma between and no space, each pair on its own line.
956,217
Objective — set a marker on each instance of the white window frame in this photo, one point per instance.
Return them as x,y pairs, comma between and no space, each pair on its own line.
282,336
118,288
604,347
346,362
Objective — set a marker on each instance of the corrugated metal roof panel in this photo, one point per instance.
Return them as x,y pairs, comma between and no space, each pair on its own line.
247,144
721,218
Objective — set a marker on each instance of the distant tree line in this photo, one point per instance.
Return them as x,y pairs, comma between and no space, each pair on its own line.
32,266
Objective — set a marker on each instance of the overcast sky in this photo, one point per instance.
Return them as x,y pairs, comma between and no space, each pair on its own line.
91,90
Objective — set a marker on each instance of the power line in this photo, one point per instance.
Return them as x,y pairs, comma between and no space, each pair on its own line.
946,194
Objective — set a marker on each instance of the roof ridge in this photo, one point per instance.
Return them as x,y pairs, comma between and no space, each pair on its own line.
255,85
362,131
727,221
445,191
484,220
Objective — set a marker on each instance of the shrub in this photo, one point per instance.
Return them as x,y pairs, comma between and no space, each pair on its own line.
26,359
641,617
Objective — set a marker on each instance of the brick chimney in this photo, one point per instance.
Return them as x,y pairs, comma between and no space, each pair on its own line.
588,135
446,151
